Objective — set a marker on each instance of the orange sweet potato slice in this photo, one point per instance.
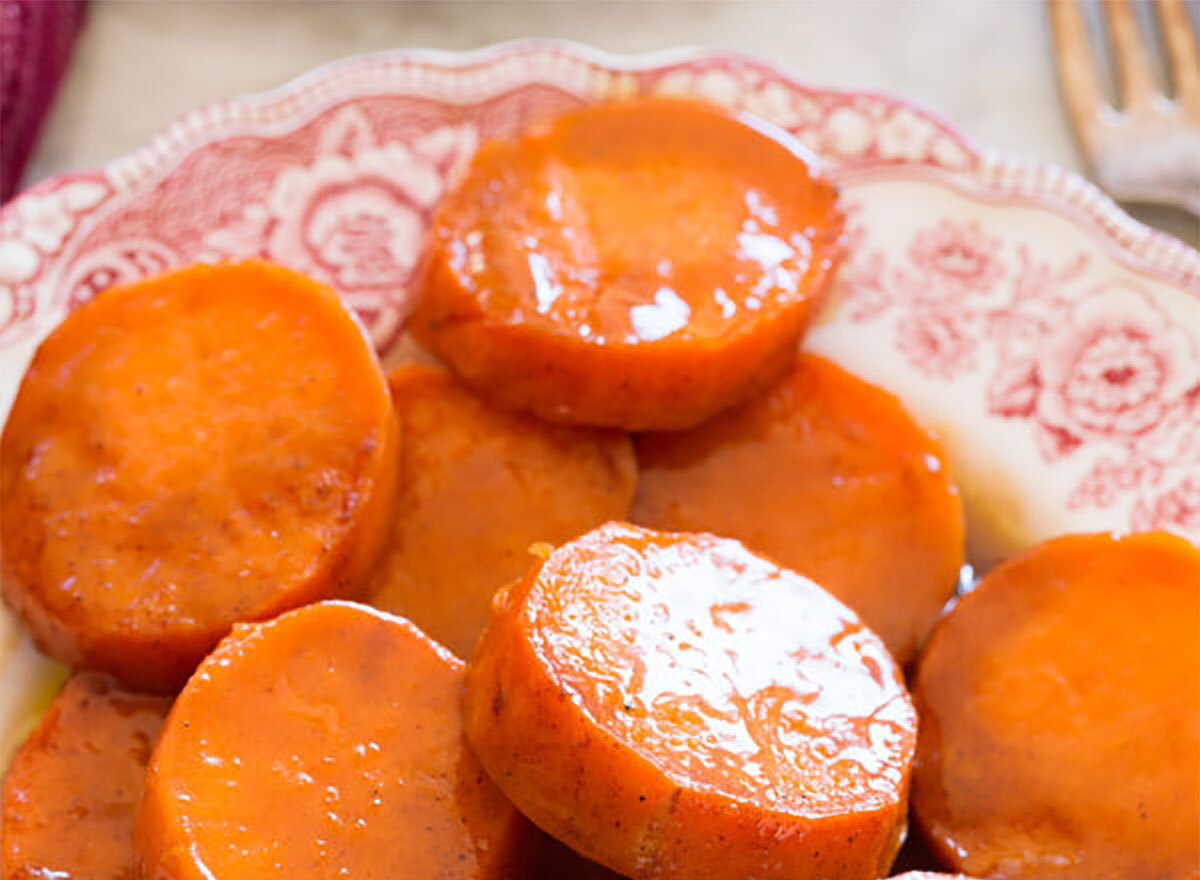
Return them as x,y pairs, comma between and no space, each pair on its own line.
1060,715
675,706
210,445
830,476
478,487
70,791
639,265
326,743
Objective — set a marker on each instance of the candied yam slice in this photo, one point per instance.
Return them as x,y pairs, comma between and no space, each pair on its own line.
71,789
641,264
210,445
478,487
326,743
1060,715
675,706
833,478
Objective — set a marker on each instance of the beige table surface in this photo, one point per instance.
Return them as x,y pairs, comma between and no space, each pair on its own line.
986,65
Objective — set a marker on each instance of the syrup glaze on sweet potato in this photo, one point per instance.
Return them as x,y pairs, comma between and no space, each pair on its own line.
833,478
1060,715
210,445
478,487
70,792
640,264
676,706
326,743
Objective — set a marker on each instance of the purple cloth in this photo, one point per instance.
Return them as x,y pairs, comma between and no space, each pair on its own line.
36,39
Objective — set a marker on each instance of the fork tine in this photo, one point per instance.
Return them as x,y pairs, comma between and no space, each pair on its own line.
1135,76
1081,89
1184,56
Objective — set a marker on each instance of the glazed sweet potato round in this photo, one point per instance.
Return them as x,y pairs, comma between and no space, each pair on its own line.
833,478
675,706
479,486
639,265
1060,715
211,445
326,743
71,789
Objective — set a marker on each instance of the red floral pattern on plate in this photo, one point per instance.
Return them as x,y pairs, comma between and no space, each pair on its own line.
354,216
1177,509
935,341
956,260
1101,367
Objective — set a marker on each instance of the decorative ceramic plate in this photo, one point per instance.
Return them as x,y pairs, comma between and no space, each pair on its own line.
1052,341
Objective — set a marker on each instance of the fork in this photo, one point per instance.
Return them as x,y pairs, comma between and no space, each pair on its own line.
1149,149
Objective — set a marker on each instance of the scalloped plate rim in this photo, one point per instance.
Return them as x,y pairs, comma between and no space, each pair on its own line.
1130,237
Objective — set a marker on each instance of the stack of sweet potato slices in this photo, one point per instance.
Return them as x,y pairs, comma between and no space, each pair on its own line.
625,587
